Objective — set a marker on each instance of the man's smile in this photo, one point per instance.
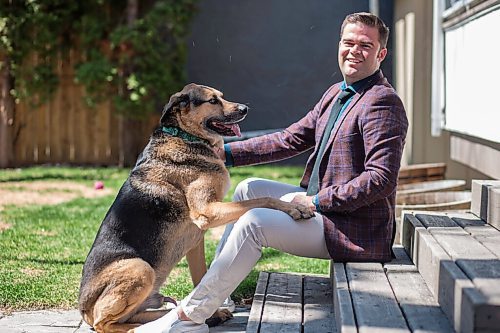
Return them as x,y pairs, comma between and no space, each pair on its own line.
354,61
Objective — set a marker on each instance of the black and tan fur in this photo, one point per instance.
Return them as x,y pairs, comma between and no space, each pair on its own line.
160,214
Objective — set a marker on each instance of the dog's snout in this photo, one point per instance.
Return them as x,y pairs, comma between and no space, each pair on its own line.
243,109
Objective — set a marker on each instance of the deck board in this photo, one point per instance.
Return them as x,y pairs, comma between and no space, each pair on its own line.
292,303
318,306
342,303
254,318
374,304
283,304
422,312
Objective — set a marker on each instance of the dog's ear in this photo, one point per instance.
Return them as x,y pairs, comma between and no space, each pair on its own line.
179,99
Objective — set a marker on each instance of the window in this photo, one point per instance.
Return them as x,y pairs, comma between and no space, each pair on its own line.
471,84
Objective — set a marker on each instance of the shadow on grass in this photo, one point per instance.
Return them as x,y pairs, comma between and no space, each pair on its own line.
32,174
45,261
271,253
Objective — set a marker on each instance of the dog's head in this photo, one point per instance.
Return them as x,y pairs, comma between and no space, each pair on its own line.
201,111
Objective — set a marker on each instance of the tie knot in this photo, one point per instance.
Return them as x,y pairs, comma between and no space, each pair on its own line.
344,95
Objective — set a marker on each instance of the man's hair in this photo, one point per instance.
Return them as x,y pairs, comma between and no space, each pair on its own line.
370,20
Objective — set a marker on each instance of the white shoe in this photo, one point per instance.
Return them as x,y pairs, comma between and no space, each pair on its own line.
228,305
170,323
181,326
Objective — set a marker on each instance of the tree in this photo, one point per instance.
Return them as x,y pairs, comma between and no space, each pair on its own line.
6,114
133,51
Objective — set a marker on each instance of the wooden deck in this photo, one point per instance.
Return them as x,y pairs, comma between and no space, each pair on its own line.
446,278
364,297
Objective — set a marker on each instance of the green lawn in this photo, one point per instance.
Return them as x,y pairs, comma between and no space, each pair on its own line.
43,251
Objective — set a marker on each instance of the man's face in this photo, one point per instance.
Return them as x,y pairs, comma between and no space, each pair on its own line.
359,52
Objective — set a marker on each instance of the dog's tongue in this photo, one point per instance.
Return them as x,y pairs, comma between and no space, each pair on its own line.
236,129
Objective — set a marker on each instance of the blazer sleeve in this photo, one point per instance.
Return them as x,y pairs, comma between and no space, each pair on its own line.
383,127
294,140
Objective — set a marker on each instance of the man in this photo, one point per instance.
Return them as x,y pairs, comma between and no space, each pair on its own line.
350,177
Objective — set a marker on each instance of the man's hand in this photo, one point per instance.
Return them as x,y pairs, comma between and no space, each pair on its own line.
304,200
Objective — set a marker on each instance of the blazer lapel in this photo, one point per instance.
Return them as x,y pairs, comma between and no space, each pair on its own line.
344,114
326,114
351,105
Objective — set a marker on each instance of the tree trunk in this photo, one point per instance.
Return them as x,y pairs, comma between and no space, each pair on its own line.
6,115
129,129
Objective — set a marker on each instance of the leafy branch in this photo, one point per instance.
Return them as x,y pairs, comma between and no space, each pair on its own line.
138,65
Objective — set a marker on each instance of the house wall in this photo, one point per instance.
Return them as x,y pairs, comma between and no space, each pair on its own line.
277,56
472,119
413,78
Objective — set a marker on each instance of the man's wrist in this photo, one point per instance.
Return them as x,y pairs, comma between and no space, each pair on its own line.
315,202
229,162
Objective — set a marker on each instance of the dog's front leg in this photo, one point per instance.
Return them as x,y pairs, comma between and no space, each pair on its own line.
207,210
214,214
196,262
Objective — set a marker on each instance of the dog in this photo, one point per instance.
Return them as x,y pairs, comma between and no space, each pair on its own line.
171,197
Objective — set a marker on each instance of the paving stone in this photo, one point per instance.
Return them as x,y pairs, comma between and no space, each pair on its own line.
54,321
41,322
84,328
37,329
237,324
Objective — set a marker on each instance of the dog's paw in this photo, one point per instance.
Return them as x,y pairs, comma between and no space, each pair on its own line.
167,299
294,213
219,317
306,212
298,211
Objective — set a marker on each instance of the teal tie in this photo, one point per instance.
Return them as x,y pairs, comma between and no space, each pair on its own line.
342,98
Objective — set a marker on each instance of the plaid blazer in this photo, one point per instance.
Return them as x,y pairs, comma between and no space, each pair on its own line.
359,169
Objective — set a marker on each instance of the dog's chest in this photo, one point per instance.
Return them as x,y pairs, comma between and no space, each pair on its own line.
192,236
225,183
182,239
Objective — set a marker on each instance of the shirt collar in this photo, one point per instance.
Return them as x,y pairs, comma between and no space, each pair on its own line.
359,85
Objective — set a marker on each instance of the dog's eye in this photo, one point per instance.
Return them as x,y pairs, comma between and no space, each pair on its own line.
213,101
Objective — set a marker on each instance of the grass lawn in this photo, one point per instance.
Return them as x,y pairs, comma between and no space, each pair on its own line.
44,248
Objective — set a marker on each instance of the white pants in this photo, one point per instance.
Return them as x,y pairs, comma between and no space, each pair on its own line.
242,242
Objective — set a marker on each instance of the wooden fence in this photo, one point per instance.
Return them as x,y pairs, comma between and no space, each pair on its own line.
66,131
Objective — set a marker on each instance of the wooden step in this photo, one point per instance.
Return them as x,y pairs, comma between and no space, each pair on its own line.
292,303
421,310
484,233
460,264
486,201
371,297
375,307
421,172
